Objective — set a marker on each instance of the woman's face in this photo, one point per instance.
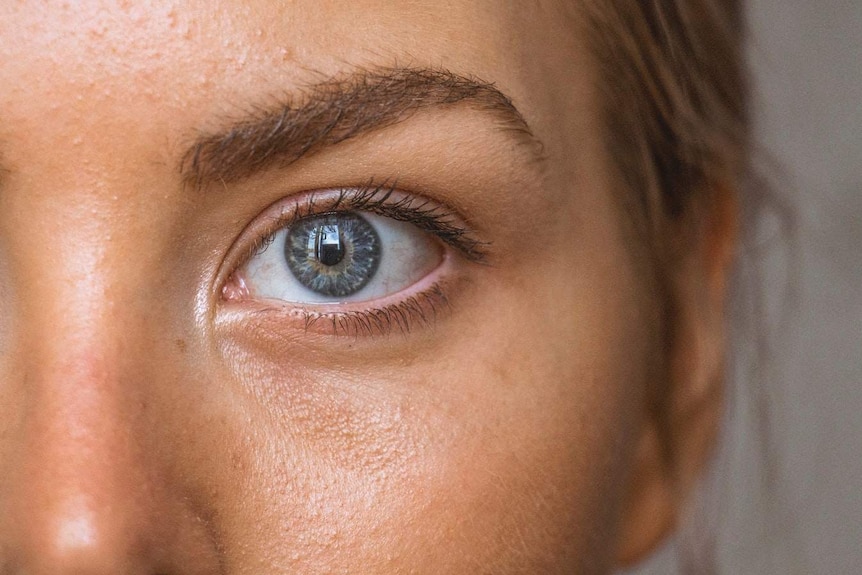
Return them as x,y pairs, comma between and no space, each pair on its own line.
211,364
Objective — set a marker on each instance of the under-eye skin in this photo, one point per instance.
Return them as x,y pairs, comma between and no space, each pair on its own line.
351,261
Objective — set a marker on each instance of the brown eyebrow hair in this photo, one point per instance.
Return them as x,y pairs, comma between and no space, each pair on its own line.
337,110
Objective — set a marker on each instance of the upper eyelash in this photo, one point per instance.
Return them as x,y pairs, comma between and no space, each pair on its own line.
426,216
377,199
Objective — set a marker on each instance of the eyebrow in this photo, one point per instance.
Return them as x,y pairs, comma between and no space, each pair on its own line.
337,110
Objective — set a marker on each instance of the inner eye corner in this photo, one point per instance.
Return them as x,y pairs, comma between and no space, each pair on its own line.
233,288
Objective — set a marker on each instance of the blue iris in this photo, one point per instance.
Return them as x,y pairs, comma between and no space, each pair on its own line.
334,254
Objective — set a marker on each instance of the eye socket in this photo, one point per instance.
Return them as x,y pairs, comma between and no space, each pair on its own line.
340,257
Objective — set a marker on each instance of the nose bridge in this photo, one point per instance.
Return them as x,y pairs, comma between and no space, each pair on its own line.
87,488
91,476
78,426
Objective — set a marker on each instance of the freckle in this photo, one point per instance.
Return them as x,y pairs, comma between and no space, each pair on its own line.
181,345
238,460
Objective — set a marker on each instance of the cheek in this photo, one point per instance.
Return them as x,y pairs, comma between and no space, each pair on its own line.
502,442
558,390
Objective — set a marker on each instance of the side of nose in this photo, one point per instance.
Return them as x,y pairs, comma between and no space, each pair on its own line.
86,490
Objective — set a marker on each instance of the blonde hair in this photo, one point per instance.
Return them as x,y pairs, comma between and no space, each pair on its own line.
675,96
674,100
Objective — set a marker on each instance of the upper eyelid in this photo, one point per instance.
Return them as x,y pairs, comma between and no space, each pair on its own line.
389,201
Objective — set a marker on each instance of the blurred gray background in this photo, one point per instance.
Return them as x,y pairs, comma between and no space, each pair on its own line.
788,495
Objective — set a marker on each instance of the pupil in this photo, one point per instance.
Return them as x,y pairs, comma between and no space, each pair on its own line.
329,249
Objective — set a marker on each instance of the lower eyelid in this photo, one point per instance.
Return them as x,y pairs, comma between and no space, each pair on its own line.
419,310
396,315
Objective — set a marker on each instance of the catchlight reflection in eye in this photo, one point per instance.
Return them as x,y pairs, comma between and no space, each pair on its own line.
341,257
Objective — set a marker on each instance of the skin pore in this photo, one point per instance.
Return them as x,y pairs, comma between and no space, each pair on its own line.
159,417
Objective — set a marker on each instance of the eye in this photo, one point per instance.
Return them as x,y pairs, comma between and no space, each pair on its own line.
339,257
351,261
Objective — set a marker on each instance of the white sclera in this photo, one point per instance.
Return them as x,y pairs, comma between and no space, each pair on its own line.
407,254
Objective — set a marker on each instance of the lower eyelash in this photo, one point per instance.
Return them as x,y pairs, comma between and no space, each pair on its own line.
421,309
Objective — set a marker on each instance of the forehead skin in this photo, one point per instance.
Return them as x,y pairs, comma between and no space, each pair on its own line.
199,62
146,431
